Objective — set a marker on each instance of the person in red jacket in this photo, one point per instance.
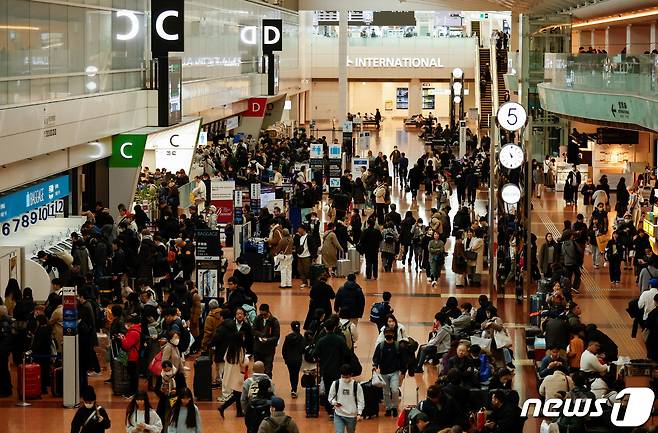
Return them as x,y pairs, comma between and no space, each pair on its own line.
131,344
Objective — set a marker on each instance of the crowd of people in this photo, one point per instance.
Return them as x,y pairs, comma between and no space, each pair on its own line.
135,284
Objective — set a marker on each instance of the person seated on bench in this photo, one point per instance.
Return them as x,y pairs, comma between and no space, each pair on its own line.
590,361
551,361
438,344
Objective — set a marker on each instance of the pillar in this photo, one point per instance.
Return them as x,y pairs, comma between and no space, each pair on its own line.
592,38
607,39
514,37
415,99
628,38
652,37
341,115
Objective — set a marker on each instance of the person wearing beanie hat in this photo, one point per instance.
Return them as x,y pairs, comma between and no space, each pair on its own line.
212,322
90,417
278,421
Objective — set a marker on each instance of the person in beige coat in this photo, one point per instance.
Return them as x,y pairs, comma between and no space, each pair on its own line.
195,311
170,352
476,244
330,248
57,323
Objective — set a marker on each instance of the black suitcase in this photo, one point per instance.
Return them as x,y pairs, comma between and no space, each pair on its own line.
316,272
312,401
203,378
535,309
371,396
57,381
268,271
120,378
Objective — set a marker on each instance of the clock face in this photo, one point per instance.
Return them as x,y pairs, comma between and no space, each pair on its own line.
511,193
511,156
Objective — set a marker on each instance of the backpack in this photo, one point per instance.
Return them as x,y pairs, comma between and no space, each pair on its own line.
250,313
346,329
485,368
378,311
257,410
389,237
308,353
284,427
354,390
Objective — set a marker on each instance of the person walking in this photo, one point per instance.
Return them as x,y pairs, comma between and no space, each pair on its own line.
282,253
623,197
350,301
387,245
141,417
371,238
330,351
266,332
233,378
278,421
330,249
614,254
459,262
571,186
587,191
292,351
303,250
185,416
548,255
346,396
387,361
572,254
90,416
436,249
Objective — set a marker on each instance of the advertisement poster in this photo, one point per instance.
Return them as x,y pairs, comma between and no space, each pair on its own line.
208,280
221,196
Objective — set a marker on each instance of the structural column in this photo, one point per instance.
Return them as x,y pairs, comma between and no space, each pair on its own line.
652,37
415,100
628,38
342,67
592,38
607,39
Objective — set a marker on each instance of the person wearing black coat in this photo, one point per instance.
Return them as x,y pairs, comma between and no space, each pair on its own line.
371,238
608,347
243,275
622,197
5,351
90,416
406,225
505,416
416,176
350,301
341,234
223,335
41,347
235,295
292,351
462,220
320,297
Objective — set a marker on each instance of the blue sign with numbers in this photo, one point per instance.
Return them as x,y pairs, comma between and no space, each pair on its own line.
32,197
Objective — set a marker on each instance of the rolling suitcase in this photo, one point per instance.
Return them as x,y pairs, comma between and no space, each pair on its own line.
316,271
343,267
535,308
312,401
203,378
32,373
371,396
355,259
57,381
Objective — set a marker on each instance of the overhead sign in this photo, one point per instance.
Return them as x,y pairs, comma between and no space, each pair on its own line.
335,151
316,150
167,27
33,197
255,107
272,35
208,244
25,221
395,62
127,150
232,123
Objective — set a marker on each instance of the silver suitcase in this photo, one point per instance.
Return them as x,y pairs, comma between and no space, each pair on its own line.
355,259
343,268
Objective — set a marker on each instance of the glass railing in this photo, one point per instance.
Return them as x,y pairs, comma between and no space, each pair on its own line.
602,73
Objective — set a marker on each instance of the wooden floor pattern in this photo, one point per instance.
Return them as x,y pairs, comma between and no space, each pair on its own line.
415,303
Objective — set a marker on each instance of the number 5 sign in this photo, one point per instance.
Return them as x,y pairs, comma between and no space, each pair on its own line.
511,116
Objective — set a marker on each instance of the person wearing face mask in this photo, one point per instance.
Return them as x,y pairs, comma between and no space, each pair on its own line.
90,417
387,362
548,254
171,352
131,344
140,417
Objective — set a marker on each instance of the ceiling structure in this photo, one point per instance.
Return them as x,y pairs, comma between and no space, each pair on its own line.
579,8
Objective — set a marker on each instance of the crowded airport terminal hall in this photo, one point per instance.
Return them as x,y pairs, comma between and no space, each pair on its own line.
290,216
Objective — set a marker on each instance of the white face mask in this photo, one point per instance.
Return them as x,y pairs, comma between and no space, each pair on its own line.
175,341
89,405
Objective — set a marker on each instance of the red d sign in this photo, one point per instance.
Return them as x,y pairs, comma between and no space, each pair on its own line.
256,107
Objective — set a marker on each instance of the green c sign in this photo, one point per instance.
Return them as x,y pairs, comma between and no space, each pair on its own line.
127,150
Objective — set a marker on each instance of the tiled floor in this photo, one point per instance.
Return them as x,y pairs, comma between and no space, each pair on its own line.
415,303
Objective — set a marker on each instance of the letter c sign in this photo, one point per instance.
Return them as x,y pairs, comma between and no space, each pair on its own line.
122,150
167,26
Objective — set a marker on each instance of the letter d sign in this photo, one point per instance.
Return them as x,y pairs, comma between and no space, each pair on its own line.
272,36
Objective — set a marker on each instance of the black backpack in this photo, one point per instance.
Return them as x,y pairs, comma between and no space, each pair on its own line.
257,410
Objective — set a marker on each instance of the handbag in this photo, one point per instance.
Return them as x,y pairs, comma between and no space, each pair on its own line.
483,342
155,366
377,380
502,339
471,256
